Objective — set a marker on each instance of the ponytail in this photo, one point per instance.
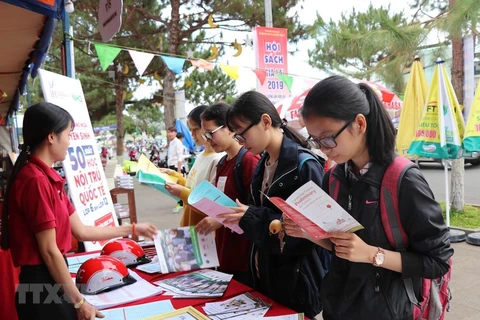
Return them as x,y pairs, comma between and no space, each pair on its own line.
380,129
294,135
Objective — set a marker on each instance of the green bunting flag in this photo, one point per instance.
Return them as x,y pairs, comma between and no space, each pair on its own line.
106,54
288,80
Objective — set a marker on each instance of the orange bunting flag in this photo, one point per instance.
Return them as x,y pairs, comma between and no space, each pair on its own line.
261,75
202,64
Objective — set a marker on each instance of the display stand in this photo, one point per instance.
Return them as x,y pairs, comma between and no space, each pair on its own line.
132,209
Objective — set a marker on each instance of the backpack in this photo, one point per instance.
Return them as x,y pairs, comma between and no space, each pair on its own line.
237,171
435,293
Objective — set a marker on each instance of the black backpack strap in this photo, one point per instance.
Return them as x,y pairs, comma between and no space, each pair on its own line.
238,173
305,155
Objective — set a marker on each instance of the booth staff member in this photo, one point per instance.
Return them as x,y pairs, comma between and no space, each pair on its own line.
38,221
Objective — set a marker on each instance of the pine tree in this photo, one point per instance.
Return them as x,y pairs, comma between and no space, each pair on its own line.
375,43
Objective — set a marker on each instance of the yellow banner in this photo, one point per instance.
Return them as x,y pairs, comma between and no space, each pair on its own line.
452,97
471,141
413,104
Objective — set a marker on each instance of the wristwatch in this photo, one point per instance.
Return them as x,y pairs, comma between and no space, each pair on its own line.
79,304
379,258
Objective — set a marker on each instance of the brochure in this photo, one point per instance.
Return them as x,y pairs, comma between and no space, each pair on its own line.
316,212
75,262
199,284
139,290
139,312
149,174
244,306
212,202
182,249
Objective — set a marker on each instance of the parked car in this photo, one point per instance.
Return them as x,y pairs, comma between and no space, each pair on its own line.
473,159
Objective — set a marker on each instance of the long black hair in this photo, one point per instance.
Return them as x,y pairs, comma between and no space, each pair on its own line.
39,121
338,98
250,107
195,114
217,113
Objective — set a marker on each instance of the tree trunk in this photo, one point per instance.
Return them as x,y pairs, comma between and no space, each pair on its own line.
119,112
169,81
458,169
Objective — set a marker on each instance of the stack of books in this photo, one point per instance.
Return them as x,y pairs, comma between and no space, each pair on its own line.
124,181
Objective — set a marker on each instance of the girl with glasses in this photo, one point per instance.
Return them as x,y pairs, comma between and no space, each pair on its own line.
286,269
366,278
204,168
232,248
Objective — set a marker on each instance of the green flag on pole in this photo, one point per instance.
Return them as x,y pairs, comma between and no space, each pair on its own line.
106,54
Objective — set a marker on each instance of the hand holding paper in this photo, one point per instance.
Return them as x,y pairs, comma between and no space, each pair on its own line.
293,230
173,188
207,225
234,218
149,174
213,202
315,212
351,247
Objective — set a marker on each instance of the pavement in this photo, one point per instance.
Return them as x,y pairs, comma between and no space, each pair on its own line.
155,207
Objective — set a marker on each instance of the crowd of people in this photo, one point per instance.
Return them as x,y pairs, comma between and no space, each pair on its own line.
356,275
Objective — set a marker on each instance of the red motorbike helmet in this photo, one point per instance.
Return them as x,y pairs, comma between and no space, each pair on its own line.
102,273
127,251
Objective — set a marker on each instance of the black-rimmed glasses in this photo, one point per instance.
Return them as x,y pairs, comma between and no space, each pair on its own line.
239,136
208,135
328,142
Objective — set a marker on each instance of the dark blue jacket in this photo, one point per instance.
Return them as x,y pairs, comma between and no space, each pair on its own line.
360,290
291,277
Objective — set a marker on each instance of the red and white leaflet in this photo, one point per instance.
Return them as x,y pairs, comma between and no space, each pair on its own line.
313,210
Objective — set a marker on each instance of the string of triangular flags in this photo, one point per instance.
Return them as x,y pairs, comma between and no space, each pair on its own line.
107,54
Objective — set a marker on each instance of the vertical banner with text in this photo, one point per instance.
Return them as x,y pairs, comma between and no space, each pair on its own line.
86,179
271,53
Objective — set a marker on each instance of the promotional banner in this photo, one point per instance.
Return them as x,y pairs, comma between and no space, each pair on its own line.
441,128
471,141
271,53
413,104
86,180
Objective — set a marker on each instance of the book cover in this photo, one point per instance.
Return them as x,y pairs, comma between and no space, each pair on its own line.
199,284
182,249
316,212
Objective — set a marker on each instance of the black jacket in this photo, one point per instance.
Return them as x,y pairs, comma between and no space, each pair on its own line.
349,289
291,277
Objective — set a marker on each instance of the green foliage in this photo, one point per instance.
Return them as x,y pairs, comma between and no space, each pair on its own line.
147,117
375,43
462,18
209,87
468,218
111,119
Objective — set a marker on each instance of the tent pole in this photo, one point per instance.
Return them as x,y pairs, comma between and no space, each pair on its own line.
447,196
68,47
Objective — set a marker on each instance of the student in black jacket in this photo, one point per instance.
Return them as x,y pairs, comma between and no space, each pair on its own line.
286,269
348,122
